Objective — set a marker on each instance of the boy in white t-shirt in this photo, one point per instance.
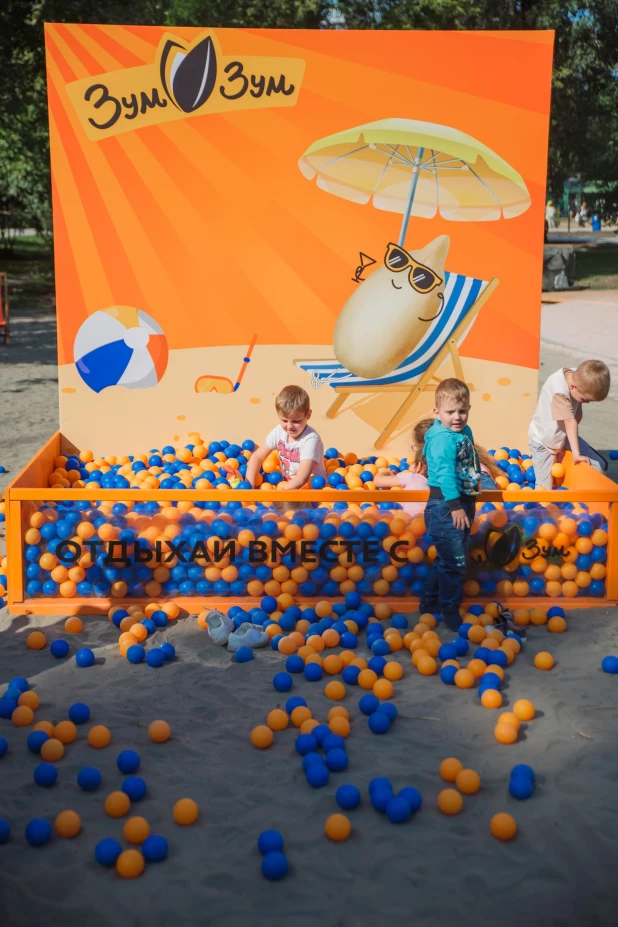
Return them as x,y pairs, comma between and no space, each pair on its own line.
558,414
301,452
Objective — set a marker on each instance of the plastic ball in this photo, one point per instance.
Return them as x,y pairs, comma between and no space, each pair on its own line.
305,743
274,865
522,769
59,649
524,709
347,797
22,716
65,732
277,719
317,775
270,841
130,864
38,831
313,672
134,787
294,664
79,713
447,675
89,778
378,722
450,801
468,781
389,709
412,796
368,704
335,690
74,625
99,736
84,657
36,640
505,733
45,775
491,698
543,660
336,759
609,664
136,829
450,768
185,812
398,810
52,750
557,609
243,655
19,682
159,731
5,831
521,787
135,653
107,851
128,762
154,849
117,804
337,827
169,652
503,826
155,657
34,742
282,682
67,824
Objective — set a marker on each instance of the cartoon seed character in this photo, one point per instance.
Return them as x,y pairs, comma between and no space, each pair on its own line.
391,311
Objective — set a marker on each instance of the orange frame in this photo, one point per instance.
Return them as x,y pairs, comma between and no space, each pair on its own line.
30,485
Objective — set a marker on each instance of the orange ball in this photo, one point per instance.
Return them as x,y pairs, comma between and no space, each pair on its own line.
383,688
503,826
427,665
308,725
317,642
171,609
450,768
136,830
46,726
99,736
262,736
507,717
30,699
468,781
159,731
418,652
65,732
432,646
505,733
464,679
450,801
393,671
557,625
476,634
277,719
337,827
67,824
52,750
338,711
367,679
339,726
73,625
335,690
477,668
36,640
332,664
543,660
300,714
493,668
537,616
130,864
331,637
23,716
491,698
524,709
285,645
117,804
186,811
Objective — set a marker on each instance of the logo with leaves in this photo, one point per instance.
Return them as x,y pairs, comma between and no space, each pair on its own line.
188,72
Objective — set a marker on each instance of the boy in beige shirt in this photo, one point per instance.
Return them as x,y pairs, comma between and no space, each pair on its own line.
558,414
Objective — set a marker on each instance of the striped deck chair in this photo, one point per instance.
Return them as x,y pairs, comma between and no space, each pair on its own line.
463,298
4,309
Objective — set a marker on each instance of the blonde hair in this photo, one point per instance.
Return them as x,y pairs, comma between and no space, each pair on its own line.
418,441
292,399
592,378
452,389
488,461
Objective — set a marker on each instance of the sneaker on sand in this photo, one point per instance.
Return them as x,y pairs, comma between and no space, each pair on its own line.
505,623
248,635
219,627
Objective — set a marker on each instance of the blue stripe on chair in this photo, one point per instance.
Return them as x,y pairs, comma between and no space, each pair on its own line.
460,294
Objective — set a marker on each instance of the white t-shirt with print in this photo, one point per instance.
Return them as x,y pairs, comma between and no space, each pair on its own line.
555,406
291,452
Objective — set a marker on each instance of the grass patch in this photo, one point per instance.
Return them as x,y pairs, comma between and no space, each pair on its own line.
596,266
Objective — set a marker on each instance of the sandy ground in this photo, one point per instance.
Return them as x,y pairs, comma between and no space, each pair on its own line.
432,871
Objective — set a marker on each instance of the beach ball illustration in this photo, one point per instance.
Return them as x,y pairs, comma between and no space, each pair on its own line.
120,346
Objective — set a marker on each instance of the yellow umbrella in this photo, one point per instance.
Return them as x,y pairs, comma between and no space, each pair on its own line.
418,169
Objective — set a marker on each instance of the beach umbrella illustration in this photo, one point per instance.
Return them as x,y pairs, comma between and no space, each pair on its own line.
417,169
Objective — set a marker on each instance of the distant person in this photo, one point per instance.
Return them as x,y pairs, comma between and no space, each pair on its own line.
550,215
555,425
582,215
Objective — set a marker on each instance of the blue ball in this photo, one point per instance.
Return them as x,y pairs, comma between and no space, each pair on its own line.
498,658
38,831
484,654
398,810
270,841
294,664
412,796
79,713
613,455
35,741
274,866
490,681
379,722
305,743
45,774
5,830
333,742
349,640
522,769
107,851
243,655
313,672
19,682
317,775
380,647
447,675
400,622
350,675
336,759
447,652
321,732
389,709
368,704
155,657
556,610
380,797
154,849
159,618
461,646
84,657
282,682
380,782
169,652
310,758
89,778
609,664
135,653
347,797
59,649
377,664
269,605
149,625
128,762
134,787
521,787
7,707
4,744
296,701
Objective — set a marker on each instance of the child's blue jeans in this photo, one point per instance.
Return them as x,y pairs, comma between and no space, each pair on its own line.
443,590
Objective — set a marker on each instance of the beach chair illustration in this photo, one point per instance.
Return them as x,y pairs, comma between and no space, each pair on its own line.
463,299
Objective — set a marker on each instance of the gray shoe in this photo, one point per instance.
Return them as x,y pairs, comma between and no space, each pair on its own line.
248,635
219,627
